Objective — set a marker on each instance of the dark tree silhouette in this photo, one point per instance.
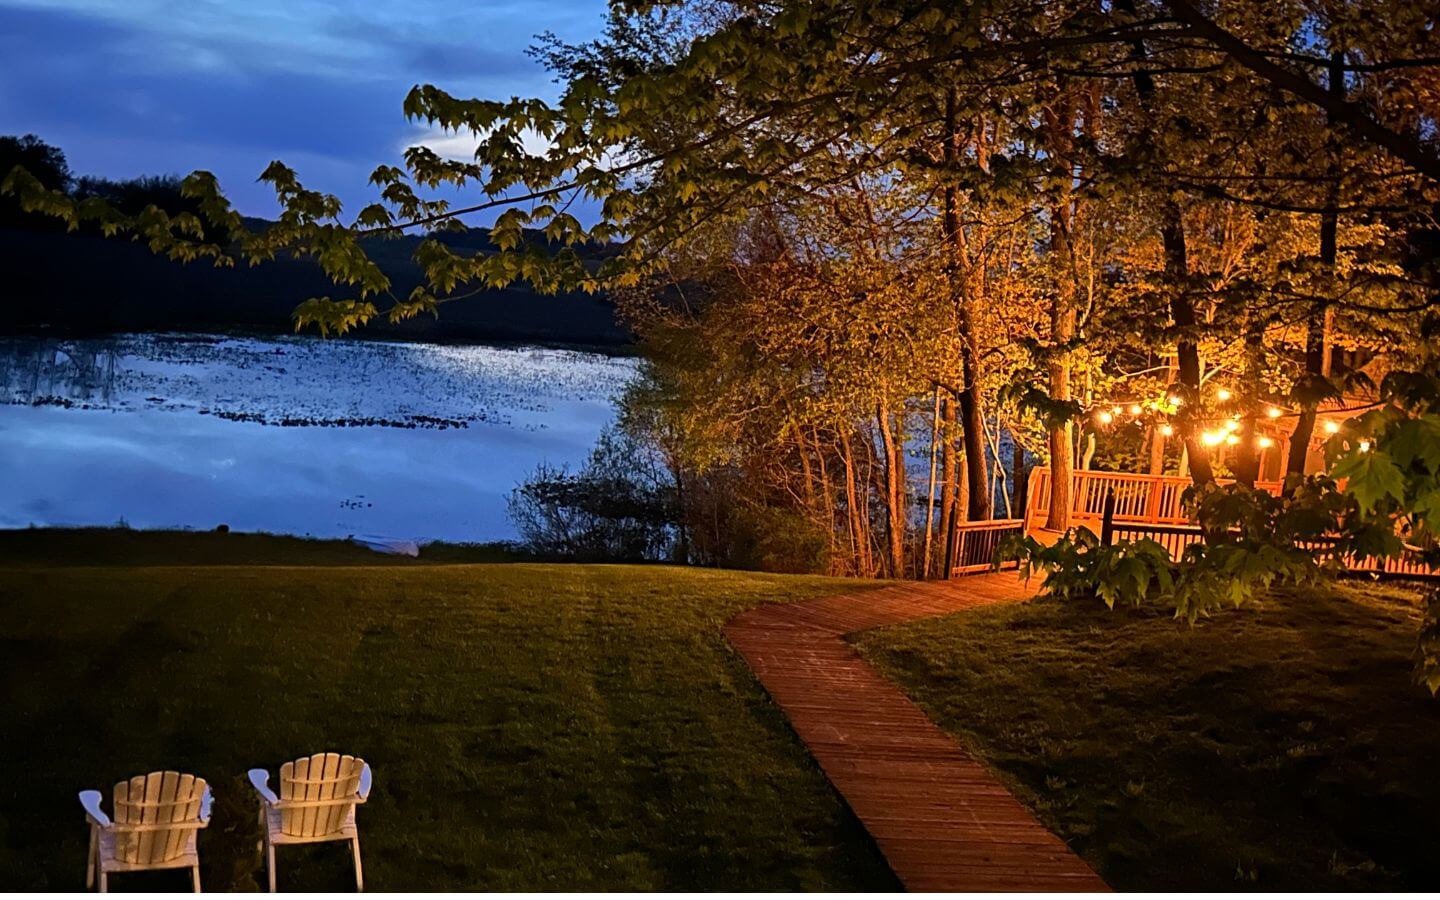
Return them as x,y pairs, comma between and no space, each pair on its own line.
44,161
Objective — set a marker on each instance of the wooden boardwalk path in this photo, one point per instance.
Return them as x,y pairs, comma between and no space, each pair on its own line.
941,819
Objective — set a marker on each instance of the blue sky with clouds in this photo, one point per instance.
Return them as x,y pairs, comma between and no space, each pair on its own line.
130,87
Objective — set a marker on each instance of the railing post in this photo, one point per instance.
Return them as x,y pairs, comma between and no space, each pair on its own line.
1152,500
1107,520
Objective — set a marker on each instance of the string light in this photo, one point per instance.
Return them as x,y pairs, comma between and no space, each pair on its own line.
1265,443
1106,417
1174,400
1273,412
1222,395
1232,439
1135,409
1211,438
1232,425
1167,429
1364,446
1331,427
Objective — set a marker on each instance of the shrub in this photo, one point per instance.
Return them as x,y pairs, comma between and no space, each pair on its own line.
618,507
1079,566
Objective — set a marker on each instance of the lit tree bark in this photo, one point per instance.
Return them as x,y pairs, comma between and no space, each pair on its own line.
895,518
859,535
924,567
972,412
827,493
949,465
1060,123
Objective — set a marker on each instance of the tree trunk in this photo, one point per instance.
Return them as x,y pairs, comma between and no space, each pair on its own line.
1247,454
1315,332
1187,351
1177,270
682,539
1018,484
1157,438
962,495
895,518
924,567
1062,331
949,469
807,473
827,496
972,412
860,540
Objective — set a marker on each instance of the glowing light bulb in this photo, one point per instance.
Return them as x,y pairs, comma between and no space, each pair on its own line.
1364,446
1106,418
1273,412
1232,439
1265,442
1331,427
1211,438
1167,430
1135,409
1232,425
1222,395
1174,400
1116,410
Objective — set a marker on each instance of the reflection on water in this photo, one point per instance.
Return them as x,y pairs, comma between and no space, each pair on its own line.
291,435
34,371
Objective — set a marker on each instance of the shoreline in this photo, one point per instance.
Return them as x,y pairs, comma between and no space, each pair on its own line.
629,350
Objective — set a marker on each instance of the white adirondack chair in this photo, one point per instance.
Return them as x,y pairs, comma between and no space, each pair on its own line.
318,795
157,818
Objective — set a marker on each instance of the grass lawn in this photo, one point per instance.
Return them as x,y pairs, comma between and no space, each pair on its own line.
531,726
1273,748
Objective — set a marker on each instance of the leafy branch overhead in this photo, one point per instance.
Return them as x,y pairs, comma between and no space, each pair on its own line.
694,113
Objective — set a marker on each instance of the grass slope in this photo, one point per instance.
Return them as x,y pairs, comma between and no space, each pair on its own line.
1274,748
530,726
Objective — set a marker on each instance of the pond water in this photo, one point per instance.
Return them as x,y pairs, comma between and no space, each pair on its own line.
289,435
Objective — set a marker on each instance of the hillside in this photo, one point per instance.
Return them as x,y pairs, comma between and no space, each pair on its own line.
83,284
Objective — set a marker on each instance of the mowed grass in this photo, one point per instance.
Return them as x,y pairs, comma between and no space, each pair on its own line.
1273,748
530,726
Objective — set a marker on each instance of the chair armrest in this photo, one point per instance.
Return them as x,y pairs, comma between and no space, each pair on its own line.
365,782
91,801
260,780
207,800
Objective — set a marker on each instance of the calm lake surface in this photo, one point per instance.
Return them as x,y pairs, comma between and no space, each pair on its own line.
290,435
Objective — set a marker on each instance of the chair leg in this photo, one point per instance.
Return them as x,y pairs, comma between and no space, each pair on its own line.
270,863
195,877
104,882
90,858
359,878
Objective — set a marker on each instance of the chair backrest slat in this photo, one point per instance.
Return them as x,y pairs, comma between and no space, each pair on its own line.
315,781
153,801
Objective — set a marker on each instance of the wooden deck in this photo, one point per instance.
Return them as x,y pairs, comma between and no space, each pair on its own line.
941,819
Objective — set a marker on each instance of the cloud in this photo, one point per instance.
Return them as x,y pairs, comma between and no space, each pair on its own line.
162,86
477,42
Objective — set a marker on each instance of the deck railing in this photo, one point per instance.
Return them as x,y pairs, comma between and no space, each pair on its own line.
1175,538
976,543
1152,499
1148,506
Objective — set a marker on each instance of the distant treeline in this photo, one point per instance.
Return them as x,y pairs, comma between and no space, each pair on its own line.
54,282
